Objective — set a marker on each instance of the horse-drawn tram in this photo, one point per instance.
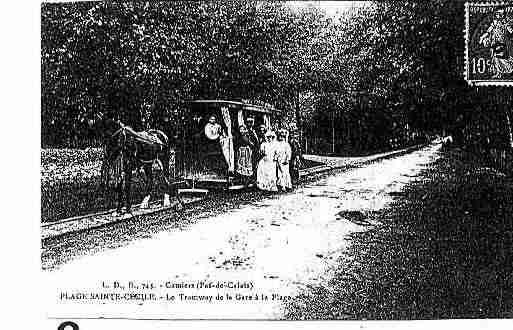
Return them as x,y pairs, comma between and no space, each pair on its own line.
213,132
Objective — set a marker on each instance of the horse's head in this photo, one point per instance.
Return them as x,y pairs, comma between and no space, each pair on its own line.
103,124
91,120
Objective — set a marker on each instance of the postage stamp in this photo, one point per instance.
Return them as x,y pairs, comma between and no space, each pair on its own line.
489,43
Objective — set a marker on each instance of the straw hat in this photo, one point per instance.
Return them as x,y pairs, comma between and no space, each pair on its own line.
270,133
283,132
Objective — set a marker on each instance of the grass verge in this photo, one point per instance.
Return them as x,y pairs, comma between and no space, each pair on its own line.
70,184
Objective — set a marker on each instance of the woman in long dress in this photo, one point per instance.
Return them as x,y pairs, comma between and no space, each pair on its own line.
266,172
283,156
244,155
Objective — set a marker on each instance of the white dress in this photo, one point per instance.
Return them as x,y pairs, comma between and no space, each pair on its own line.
283,156
266,171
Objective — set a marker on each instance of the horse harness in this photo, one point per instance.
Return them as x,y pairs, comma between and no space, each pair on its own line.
142,137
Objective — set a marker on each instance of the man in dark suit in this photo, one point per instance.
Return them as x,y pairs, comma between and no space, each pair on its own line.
295,159
262,129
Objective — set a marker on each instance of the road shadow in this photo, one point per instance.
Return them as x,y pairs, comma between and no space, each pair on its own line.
443,249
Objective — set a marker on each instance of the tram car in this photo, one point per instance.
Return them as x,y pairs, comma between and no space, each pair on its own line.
207,156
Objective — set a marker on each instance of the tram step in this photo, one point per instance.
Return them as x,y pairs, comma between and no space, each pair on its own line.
192,191
236,187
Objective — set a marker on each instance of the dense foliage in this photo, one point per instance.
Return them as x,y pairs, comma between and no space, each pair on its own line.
396,73
376,77
144,59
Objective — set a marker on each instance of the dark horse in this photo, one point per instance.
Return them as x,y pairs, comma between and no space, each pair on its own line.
125,151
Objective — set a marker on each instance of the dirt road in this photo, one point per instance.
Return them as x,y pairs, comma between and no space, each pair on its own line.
268,249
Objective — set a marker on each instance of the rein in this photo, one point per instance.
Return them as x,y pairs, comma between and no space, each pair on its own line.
122,128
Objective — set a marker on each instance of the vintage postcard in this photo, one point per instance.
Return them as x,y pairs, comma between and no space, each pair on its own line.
489,43
284,161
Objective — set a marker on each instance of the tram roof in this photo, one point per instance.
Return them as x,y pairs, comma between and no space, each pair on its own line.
243,105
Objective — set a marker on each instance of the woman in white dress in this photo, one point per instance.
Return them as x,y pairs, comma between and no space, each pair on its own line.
213,131
266,171
283,155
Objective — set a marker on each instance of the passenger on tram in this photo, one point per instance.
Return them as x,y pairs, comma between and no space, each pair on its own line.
245,155
213,130
208,144
255,146
262,130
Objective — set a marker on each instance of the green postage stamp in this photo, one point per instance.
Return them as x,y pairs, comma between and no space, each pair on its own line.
489,43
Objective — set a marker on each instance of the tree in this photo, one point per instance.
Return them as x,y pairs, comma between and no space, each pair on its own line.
144,59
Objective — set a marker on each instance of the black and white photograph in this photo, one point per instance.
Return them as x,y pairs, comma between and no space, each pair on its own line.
275,160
